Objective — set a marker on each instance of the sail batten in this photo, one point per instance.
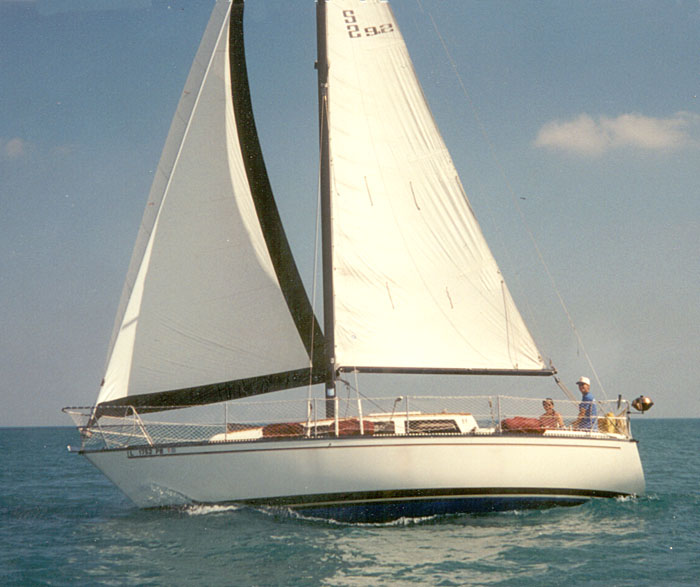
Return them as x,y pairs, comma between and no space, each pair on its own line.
212,282
415,286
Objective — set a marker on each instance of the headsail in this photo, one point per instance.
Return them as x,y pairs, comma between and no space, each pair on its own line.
213,307
416,288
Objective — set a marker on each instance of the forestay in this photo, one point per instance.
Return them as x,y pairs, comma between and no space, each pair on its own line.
415,284
202,303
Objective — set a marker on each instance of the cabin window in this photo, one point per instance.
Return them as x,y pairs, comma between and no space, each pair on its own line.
432,426
384,428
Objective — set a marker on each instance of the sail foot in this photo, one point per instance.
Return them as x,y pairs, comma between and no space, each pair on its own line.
212,393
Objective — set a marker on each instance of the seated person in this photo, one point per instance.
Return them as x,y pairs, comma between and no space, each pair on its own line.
551,418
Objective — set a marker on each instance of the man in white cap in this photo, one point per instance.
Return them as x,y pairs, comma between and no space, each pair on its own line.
587,413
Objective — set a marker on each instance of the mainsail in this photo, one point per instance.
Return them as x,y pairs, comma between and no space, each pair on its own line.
415,286
213,307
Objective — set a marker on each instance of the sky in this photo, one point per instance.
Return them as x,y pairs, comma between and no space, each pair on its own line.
574,125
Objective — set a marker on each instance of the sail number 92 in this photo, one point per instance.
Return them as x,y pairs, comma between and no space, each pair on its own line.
354,30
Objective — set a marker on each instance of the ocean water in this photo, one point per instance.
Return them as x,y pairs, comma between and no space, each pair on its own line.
63,523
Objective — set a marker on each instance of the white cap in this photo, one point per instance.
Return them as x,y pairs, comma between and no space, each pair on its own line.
585,380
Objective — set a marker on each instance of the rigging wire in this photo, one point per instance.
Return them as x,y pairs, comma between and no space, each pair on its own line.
314,288
511,191
315,271
356,389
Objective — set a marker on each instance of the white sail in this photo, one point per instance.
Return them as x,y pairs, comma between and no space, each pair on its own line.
415,284
202,303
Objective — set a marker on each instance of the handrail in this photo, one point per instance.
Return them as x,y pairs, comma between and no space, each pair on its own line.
270,420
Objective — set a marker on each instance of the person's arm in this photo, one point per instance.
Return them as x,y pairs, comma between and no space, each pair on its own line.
581,416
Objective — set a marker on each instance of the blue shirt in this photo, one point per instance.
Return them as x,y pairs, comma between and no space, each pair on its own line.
590,417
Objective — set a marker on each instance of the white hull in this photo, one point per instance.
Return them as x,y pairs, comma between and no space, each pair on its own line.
373,479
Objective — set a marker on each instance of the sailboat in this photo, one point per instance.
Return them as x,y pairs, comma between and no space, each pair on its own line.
214,316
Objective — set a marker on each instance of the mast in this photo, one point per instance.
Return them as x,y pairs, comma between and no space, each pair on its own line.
325,186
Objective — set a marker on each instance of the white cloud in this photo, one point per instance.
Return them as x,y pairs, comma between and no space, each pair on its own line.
586,136
14,148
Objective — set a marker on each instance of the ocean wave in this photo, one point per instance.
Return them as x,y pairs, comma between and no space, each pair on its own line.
207,510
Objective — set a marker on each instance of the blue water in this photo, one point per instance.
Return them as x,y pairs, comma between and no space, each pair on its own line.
63,523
